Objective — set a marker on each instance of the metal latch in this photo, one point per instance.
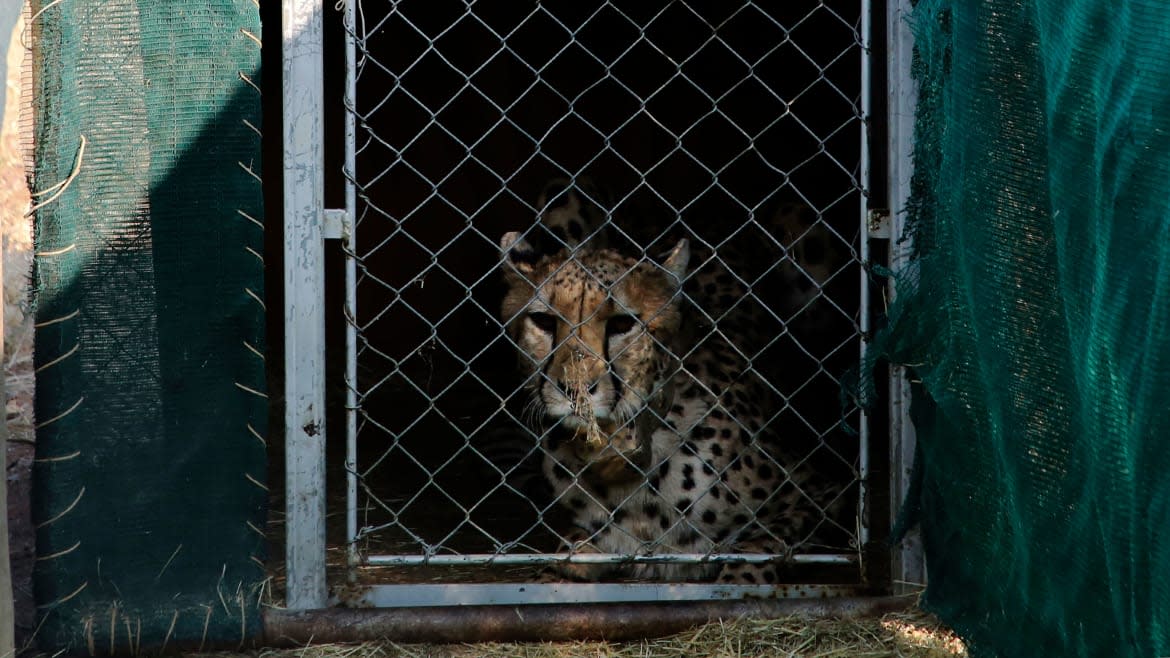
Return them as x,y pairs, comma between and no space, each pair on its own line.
337,225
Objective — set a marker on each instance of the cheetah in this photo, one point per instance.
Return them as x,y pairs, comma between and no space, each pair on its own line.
654,423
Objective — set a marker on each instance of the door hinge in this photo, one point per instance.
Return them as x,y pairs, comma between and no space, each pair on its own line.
878,222
337,225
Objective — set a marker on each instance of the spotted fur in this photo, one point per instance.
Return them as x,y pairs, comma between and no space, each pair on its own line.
655,427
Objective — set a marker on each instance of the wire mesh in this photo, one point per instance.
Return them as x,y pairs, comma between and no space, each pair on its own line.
736,126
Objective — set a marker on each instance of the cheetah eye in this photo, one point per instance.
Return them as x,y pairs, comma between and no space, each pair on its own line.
544,322
620,324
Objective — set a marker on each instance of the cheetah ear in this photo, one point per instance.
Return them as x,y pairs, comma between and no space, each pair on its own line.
680,256
517,254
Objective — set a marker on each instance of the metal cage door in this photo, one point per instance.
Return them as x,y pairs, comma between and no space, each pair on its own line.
410,390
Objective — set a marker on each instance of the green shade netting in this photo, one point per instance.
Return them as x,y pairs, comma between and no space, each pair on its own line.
1037,318
149,485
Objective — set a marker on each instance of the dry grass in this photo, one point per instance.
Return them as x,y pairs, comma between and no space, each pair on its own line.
903,635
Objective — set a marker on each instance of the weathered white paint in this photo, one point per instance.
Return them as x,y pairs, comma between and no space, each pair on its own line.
304,295
909,566
863,430
399,596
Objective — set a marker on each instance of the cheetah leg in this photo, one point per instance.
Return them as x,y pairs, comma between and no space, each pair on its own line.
577,541
738,573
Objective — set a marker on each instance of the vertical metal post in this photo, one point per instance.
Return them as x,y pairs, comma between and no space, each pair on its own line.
864,320
304,297
909,567
350,241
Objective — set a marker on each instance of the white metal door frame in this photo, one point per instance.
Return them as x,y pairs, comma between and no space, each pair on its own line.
304,302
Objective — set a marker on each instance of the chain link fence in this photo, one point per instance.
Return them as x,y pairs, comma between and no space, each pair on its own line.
736,126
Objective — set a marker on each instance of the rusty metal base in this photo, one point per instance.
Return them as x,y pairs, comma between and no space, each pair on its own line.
550,622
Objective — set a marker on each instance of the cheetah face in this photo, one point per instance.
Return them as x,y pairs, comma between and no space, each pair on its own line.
596,333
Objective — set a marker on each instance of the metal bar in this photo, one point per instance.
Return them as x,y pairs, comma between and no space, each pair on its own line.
466,594
465,624
863,429
351,383
304,294
909,567
504,559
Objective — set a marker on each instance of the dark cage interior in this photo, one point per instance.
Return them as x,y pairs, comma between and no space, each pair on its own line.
716,121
